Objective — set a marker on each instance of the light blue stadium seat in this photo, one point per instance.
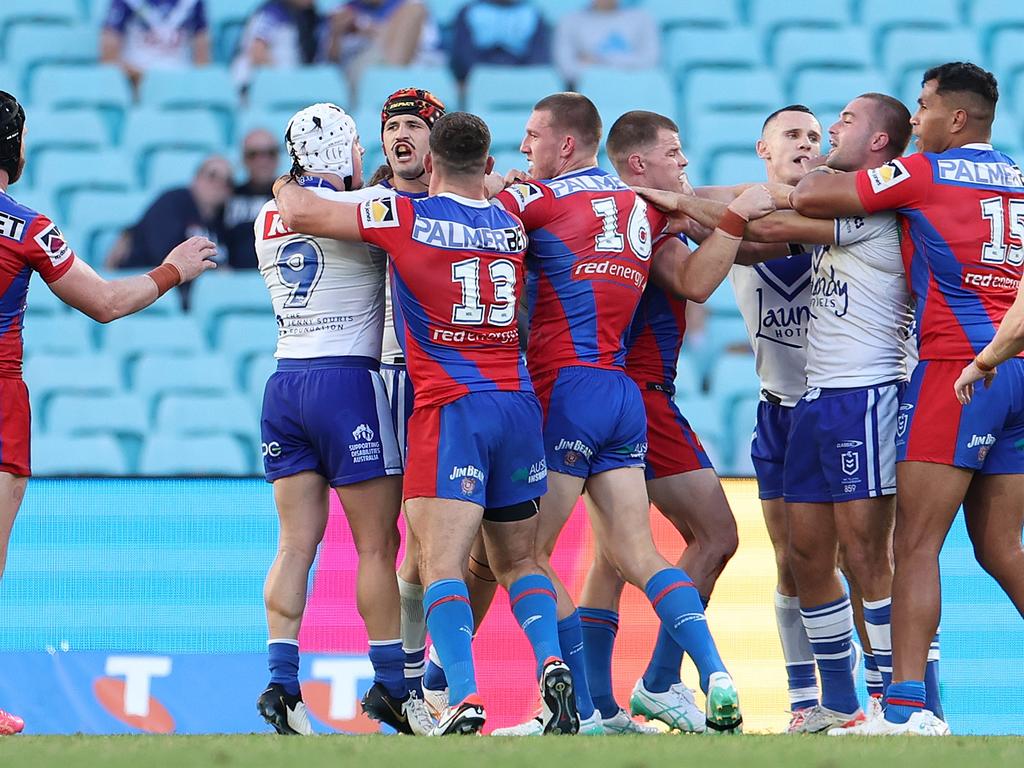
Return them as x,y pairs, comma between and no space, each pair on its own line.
42,301
616,91
878,15
769,15
510,89
742,418
240,335
687,48
732,167
12,77
254,378
827,91
155,374
95,455
169,168
1006,134
39,199
78,414
991,16
65,373
705,416
95,214
33,11
31,44
226,19
507,160
64,171
148,130
209,87
732,377
1016,90
143,334
294,89
797,48
232,292
722,303
70,129
673,13
103,86
755,91
724,335
276,121
687,382
444,11
378,82
507,130
916,50
65,333
713,132
187,414
163,455
1006,53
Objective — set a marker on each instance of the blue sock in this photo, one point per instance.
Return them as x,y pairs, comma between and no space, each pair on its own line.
434,677
872,677
388,660
599,630
666,660
415,665
570,640
679,607
534,605
932,697
283,660
877,618
903,700
830,630
450,621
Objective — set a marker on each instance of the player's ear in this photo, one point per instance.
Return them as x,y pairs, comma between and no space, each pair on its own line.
568,146
636,163
428,163
762,149
958,121
489,166
879,141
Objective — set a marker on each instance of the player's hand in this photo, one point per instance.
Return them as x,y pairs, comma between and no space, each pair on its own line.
193,257
280,181
815,163
666,202
493,184
515,175
754,202
780,194
964,386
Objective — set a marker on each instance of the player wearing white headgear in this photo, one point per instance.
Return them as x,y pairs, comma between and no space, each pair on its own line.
326,423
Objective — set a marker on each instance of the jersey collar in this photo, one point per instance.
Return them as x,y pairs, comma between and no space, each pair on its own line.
590,169
414,195
465,200
978,145
315,181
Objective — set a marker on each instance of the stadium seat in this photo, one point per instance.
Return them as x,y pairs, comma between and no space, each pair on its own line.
715,132
704,415
755,91
66,373
156,374
509,89
239,291
797,48
1016,90
63,455
733,167
147,130
992,16
918,49
64,171
31,44
64,11
687,382
239,336
163,455
226,19
72,129
254,379
742,418
724,334
1006,135
616,91
93,213
769,15
276,121
66,333
687,48
507,130
181,414
77,414
507,160
103,86
879,15
732,377
673,13
144,333
294,89
378,82
1006,53
42,301
827,91
38,199
722,303
209,87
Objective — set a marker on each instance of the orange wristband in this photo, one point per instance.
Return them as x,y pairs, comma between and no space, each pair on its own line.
166,276
732,223
983,367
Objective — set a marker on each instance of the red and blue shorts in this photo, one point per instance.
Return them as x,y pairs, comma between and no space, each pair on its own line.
15,423
673,448
987,435
485,447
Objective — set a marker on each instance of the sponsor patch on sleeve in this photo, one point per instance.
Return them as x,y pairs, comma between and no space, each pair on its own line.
53,244
379,214
11,227
888,175
525,193
273,226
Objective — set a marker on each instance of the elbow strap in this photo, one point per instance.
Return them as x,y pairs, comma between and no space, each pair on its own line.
166,276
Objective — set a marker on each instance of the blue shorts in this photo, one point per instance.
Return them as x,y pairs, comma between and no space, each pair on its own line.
399,387
768,447
987,435
485,447
594,421
842,444
328,415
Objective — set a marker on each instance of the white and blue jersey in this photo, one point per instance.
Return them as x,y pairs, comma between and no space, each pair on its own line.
325,409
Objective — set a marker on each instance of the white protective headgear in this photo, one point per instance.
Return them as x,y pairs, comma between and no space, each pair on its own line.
320,138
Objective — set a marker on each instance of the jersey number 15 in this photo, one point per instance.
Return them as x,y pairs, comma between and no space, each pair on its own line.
997,250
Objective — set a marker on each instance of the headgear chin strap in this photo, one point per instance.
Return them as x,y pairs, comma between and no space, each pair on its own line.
320,139
12,121
412,101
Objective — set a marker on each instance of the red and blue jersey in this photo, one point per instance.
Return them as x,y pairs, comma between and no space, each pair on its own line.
962,214
591,241
457,272
29,242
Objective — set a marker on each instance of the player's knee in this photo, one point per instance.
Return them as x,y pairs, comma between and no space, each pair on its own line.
998,560
380,544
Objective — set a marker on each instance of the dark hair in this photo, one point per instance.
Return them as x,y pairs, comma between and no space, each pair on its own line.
965,77
12,120
383,173
893,118
635,130
790,108
574,114
460,142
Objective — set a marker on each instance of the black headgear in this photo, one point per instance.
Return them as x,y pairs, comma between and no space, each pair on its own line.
12,120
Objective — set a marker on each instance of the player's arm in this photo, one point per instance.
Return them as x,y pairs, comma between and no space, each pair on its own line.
1006,344
304,211
824,194
106,300
695,275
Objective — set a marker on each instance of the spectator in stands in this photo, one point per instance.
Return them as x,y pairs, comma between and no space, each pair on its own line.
507,32
260,154
391,32
139,35
280,33
605,35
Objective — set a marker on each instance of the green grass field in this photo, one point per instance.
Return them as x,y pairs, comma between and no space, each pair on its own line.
268,751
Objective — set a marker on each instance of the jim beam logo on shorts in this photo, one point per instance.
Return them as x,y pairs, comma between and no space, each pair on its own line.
574,450
888,175
983,443
53,244
470,477
379,214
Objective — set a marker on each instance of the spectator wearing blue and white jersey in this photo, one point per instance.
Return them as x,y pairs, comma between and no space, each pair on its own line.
504,32
279,33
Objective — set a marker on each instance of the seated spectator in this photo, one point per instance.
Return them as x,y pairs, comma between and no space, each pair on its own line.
260,154
177,215
605,35
382,32
139,35
280,33
508,32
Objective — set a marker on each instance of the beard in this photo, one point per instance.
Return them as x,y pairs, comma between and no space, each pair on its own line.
411,174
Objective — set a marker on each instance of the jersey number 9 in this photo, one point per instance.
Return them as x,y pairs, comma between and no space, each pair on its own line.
299,266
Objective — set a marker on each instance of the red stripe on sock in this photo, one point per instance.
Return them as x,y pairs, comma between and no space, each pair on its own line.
676,585
443,600
907,703
595,620
536,591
